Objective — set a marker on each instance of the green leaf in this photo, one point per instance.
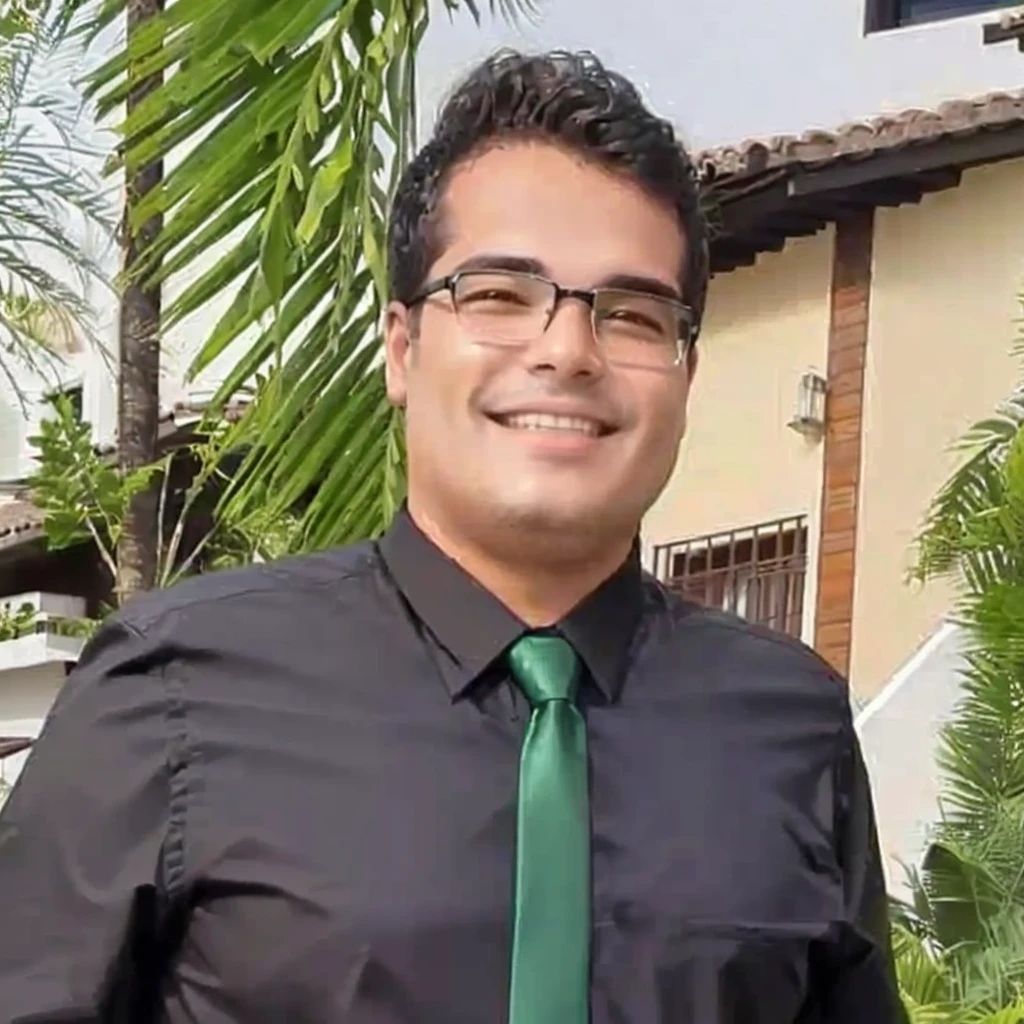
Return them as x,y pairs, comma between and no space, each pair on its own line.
44,268
319,198
274,254
286,112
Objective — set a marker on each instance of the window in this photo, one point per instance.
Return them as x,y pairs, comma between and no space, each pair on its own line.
757,573
883,14
73,393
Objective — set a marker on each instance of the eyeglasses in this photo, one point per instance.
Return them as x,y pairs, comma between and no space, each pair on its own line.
505,306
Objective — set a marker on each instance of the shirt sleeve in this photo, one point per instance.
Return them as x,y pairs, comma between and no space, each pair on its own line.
88,840
864,988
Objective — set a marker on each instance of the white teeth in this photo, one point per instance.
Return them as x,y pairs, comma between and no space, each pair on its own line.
545,421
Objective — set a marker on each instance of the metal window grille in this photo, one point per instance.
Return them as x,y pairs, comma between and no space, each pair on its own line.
757,573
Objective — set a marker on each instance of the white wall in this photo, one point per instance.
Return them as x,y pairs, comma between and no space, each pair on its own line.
724,70
899,732
94,368
26,695
23,403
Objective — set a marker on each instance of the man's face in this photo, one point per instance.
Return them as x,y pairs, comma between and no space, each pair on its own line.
474,446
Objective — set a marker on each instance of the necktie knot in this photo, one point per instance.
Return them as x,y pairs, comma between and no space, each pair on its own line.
545,667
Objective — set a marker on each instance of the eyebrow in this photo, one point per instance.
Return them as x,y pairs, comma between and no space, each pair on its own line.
529,265
635,283
503,261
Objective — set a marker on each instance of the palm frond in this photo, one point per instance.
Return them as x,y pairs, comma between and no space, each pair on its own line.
48,203
295,119
966,912
956,537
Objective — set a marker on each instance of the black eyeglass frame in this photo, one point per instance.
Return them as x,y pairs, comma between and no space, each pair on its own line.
589,296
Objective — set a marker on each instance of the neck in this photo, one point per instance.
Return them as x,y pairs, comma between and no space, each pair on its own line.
539,586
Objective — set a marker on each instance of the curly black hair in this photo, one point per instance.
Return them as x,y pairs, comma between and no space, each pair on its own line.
571,99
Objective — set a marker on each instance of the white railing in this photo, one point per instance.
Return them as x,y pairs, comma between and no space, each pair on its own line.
45,610
31,630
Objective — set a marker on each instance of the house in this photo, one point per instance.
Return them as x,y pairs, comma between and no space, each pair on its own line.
861,320
868,257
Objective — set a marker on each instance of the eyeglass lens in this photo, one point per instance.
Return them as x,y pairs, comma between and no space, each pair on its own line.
517,308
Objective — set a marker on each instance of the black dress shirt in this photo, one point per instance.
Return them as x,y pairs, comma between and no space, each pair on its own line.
288,794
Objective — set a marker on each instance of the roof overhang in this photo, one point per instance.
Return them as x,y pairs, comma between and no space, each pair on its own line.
1009,26
11,745
761,194
21,523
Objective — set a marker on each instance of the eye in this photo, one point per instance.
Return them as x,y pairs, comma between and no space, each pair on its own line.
631,321
494,295
634,316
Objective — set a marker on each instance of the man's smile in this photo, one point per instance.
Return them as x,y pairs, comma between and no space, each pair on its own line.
552,422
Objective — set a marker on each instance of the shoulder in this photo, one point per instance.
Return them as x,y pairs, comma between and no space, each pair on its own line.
218,628
749,655
228,593
227,621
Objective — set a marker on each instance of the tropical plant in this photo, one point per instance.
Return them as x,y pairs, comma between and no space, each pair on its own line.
296,116
48,203
85,497
16,622
960,937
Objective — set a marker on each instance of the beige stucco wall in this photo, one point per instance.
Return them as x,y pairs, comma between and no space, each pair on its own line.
944,299
740,464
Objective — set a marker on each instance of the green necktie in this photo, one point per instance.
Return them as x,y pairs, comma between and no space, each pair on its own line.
551,937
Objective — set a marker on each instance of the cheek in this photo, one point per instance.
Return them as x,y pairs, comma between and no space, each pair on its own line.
656,448
443,380
665,411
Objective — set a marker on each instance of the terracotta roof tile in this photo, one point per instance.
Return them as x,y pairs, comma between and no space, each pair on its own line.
1011,19
18,517
864,138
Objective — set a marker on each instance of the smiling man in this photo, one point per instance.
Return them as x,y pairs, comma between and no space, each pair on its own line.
483,769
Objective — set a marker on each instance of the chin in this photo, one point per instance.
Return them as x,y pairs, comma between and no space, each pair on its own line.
559,519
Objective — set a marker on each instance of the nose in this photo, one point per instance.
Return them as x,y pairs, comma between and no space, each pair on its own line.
568,348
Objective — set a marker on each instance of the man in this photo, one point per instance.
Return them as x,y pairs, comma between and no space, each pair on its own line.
483,770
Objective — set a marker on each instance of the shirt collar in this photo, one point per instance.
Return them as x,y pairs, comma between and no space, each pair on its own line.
475,628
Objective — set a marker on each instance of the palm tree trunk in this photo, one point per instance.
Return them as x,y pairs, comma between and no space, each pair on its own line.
138,392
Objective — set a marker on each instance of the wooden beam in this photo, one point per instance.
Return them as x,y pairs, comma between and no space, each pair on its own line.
939,179
1003,31
727,254
797,224
725,266
982,145
880,15
849,309
896,192
765,242
740,212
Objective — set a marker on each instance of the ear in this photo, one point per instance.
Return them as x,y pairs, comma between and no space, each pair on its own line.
398,329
